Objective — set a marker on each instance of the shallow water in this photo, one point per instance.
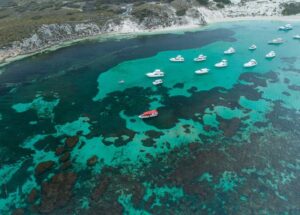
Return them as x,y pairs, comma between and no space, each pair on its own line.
224,143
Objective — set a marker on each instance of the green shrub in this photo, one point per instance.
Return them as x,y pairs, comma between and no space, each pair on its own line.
291,9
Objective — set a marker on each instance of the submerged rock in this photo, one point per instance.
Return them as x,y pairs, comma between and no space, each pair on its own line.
57,192
32,196
92,161
72,141
59,150
65,157
43,167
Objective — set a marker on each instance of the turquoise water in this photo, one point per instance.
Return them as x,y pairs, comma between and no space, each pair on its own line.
224,143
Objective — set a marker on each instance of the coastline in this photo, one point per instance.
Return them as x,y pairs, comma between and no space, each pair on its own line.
123,35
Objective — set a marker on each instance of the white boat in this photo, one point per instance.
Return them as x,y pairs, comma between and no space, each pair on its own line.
271,54
276,41
286,27
251,63
297,37
149,114
202,71
230,51
121,82
200,58
157,82
222,64
252,47
178,58
155,74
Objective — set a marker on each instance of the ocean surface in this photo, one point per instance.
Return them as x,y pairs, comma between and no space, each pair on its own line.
227,142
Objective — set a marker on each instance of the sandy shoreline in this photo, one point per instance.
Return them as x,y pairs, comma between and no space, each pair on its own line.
172,29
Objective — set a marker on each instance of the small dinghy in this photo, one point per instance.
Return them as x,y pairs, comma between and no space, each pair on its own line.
157,82
252,47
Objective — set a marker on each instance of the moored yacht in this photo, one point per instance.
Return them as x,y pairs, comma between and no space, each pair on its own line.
200,58
156,73
231,50
252,47
286,27
149,114
178,58
276,41
297,37
251,63
157,82
202,71
271,54
222,64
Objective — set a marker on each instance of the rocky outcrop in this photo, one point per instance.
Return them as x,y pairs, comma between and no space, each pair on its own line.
140,17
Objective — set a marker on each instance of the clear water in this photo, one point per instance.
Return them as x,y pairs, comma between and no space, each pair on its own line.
224,143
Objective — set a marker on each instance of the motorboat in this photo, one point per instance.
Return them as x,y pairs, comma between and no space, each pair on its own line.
297,37
202,71
149,114
178,58
121,82
276,41
271,54
286,27
200,58
251,63
157,82
155,74
252,47
222,64
229,51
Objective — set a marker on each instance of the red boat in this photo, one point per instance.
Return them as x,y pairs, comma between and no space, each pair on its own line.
149,114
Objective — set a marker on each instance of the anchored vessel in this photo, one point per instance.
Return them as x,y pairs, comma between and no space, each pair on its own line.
276,41
178,58
229,51
149,114
252,47
286,27
251,63
200,58
222,64
155,74
202,71
297,37
271,54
